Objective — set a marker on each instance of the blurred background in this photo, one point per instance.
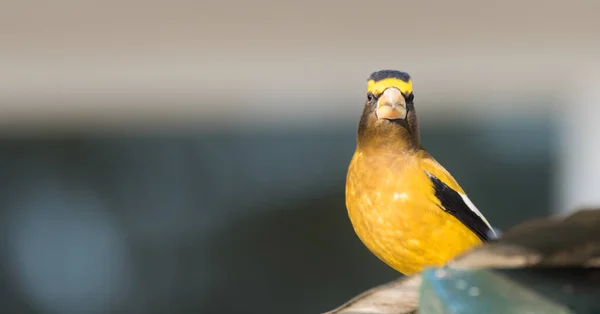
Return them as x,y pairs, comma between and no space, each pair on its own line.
190,156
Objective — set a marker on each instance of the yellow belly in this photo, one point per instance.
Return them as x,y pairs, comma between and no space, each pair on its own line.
395,214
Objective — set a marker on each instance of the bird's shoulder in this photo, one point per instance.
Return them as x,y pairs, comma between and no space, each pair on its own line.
428,164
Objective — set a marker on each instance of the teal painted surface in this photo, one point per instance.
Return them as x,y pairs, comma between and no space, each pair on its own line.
526,291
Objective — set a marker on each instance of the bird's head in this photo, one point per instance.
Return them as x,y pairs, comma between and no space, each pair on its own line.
389,114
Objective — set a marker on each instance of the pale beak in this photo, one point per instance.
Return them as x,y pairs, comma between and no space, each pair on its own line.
391,105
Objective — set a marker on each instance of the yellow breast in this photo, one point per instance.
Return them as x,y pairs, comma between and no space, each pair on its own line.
394,211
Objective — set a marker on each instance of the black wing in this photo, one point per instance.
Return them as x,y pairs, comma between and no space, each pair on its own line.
454,204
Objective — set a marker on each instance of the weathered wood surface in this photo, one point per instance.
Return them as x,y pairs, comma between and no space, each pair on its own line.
398,296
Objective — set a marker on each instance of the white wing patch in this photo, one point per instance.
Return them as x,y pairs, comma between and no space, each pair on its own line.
473,208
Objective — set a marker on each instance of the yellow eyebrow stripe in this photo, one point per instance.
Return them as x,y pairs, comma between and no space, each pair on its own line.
376,88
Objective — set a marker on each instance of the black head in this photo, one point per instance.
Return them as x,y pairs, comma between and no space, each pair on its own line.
389,113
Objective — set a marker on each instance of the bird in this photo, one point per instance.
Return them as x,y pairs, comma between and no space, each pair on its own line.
404,206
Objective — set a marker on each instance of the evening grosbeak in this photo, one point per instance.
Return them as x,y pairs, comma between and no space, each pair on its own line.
404,206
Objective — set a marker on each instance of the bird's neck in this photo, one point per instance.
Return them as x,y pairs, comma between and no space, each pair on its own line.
389,138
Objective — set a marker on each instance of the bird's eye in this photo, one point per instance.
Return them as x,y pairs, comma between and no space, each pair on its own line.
410,97
370,96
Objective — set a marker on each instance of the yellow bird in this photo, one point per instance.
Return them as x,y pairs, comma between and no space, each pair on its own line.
404,206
